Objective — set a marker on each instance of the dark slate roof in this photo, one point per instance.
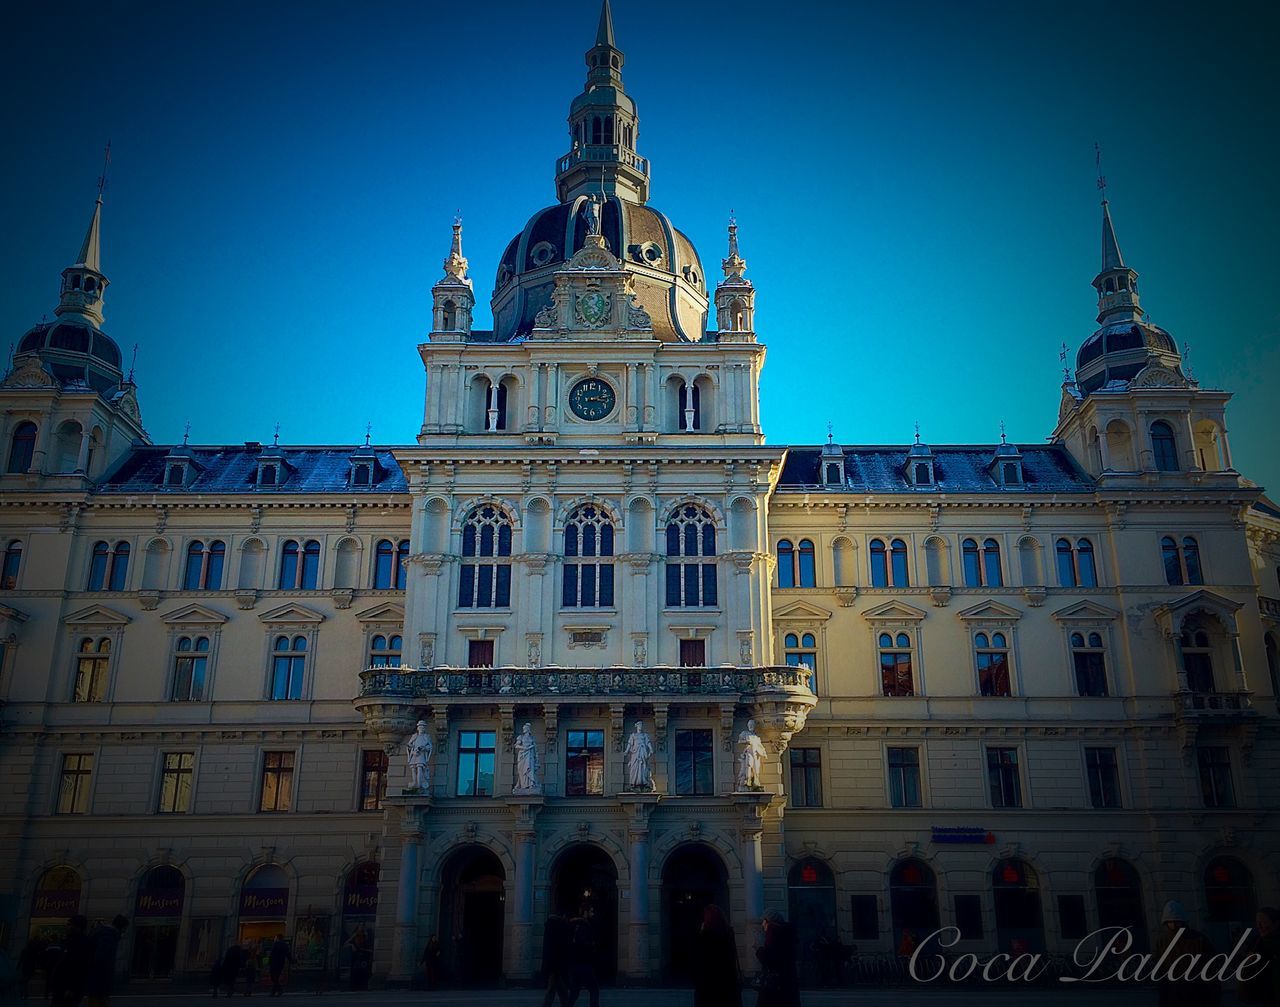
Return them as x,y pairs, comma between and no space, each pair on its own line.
235,470
958,469
1263,505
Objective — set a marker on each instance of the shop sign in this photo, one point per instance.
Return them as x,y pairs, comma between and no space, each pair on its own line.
963,834
56,902
361,900
264,903
159,902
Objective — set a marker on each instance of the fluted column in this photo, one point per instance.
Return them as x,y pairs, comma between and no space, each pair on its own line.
640,806
406,935
524,833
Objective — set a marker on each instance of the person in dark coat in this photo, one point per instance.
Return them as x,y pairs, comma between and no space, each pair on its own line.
430,962
71,975
582,960
1263,988
1185,941
29,964
277,958
229,972
102,968
715,963
779,985
361,958
556,938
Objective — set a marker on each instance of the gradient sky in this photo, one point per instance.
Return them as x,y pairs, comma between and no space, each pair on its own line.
914,184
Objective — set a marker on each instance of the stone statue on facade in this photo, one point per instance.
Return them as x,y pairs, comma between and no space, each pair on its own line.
591,213
639,755
751,754
419,751
528,766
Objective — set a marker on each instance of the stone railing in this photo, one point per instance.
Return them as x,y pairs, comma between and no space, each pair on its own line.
1216,703
536,683
1269,606
603,152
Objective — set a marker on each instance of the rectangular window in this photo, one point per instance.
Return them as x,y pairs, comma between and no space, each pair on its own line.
1215,777
373,779
806,777
1071,913
1104,777
479,653
904,777
584,763
73,791
1002,776
175,783
866,918
93,663
475,763
190,668
1091,672
969,917
694,767
277,781
693,653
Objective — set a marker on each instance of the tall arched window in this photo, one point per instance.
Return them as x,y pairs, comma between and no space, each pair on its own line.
288,666
1019,917
588,559
972,563
109,567
982,567
786,563
802,649
1076,566
895,665
689,406
1066,563
808,574
1118,889
389,564
22,448
992,657
898,563
98,563
485,578
1197,658
1085,565
1172,561
1191,558
93,662
299,566
1089,660
991,570
1230,895
691,564
913,900
204,566
12,566
879,564
190,668
1163,446
1181,562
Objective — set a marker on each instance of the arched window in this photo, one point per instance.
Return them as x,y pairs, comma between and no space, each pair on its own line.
450,313
1191,559
496,406
1089,660
913,901
895,664
992,573
288,666
1197,658
1229,894
310,565
808,574
1076,567
1181,562
485,579
992,656
1085,566
12,566
385,651
786,563
1163,446
597,133
389,564
109,567
898,563
608,129
689,406
93,662
1172,561
1019,918
288,565
1118,890
98,563
22,448
1066,563
190,668
204,566
879,564
588,559
972,563
299,566
691,564
802,649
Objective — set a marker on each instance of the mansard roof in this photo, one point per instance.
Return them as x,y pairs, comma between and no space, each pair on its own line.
234,469
1047,468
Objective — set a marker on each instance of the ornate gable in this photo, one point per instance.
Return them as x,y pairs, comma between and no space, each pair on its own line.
194,615
96,617
800,611
990,611
292,613
386,612
894,611
1086,611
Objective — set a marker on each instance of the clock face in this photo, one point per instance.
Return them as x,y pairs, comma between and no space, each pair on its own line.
592,399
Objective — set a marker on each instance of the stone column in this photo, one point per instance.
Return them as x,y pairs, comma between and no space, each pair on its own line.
640,806
405,961
524,832
82,458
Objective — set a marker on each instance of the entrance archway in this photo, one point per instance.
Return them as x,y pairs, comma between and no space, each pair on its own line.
1119,893
584,881
811,910
1231,897
57,897
913,902
157,914
264,911
1019,918
693,877
472,904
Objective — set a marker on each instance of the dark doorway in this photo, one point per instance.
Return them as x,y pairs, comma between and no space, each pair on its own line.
584,882
693,653
1119,892
693,877
472,904
811,908
913,903
1019,918
157,914
480,654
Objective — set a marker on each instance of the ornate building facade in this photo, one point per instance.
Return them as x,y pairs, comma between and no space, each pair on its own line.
1024,691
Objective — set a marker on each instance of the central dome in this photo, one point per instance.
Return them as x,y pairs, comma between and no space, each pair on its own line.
669,283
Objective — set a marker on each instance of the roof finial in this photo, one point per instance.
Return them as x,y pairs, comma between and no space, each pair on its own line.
186,433
1062,357
276,441
734,265
106,160
368,432
455,266
917,431
1186,360
133,363
1102,179
830,433
1003,439
604,32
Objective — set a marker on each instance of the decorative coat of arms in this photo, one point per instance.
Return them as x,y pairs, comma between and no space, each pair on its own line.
593,307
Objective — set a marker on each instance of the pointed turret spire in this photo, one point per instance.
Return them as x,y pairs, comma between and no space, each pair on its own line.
1111,257
735,295
452,296
455,266
1117,284
83,283
604,33
91,248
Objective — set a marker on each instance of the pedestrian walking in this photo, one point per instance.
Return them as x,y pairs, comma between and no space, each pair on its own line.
277,959
249,971
1181,938
715,963
72,970
1263,988
779,985
582,959
361,959
556,938
431,963
228,972
29,964
102,964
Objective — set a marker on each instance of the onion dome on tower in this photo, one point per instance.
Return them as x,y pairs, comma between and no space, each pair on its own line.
602,176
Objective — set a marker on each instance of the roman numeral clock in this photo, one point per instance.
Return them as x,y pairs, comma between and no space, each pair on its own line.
592,399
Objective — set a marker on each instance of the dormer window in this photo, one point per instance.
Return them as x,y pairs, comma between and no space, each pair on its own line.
923,474
1010,474
177,474
832,476
360,475
267,475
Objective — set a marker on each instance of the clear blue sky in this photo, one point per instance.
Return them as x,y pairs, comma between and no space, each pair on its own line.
914,184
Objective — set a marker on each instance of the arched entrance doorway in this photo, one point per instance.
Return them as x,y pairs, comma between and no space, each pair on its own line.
157,914
584,882
1230,898
1118,889
472,915
57,897
1019,919
811,910
693,877
913,902
264,911
359,910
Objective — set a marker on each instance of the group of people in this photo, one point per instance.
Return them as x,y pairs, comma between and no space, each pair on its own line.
1260,987
569,953
240,964
82,964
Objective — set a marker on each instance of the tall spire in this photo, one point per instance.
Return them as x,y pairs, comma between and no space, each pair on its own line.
455,266
1111,257
91,247
1116,283
604,33
83,283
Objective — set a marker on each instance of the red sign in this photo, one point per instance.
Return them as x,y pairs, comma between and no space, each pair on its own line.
809,874
264,903
56,903
1010,875
159,902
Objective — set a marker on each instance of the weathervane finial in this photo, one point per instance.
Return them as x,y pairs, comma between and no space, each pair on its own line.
106,160
1002,436
276,441
1102,179
917,431
368,432
186,433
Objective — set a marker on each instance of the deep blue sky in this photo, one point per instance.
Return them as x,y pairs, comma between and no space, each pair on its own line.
914,184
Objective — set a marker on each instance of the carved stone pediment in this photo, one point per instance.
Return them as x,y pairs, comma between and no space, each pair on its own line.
31,374
1156,376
